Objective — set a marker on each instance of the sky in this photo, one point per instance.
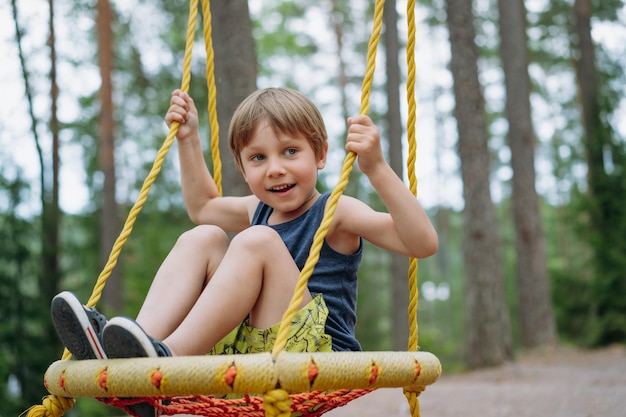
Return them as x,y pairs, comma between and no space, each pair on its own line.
16,139
437,165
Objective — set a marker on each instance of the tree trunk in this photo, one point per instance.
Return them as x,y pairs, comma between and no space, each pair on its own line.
399,265
487,338
538,327
235,77
587,84
50,189
109,221
342,77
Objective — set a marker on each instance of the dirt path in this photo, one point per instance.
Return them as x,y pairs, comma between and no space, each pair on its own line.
561,383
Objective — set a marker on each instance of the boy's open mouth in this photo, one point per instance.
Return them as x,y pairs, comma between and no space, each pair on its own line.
282,188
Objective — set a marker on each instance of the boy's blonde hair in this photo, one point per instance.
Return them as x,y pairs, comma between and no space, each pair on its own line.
286,111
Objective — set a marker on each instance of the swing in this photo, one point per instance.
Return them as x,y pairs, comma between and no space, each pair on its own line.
285,383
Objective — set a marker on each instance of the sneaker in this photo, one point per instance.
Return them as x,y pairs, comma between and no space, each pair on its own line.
79,328
124,338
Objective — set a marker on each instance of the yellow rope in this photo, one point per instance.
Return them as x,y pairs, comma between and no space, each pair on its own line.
212,94
318,239
51,406
277,403
412,396
410,163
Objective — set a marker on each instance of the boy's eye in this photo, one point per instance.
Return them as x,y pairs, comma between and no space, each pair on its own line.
291,151
257,157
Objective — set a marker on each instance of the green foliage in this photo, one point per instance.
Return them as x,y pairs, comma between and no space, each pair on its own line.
607,10
25,347
573,302
154,236
588,275
280,38
447,349
374,296
442,322
604,233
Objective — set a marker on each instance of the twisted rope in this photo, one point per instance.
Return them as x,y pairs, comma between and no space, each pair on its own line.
412,396
212,94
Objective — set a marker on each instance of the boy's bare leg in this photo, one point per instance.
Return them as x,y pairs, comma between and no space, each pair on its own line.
181,278
257,276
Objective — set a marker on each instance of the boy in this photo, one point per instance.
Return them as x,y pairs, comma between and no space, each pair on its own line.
208,285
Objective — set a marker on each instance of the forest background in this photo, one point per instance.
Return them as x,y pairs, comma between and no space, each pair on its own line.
520,160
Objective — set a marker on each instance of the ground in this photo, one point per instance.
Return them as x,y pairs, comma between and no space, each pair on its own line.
557,383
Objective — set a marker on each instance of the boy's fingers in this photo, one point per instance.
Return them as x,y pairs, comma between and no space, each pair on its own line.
360,119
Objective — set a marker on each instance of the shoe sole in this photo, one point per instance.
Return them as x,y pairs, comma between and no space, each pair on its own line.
124,338
74,328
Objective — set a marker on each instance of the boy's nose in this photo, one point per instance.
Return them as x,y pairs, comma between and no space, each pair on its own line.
275,168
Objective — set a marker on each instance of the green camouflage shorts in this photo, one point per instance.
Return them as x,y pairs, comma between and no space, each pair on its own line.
306,334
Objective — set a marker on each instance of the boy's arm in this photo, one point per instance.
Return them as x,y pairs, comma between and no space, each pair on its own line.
410,223
406,228
202,199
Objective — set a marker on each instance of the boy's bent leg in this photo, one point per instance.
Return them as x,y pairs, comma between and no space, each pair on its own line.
280,276
257,277
180,279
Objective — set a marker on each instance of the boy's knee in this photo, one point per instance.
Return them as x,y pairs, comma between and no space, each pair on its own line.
259,238
204,235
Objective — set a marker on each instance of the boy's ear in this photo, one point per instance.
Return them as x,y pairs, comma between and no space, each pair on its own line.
322,161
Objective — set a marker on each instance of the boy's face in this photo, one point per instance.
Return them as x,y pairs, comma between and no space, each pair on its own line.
281,170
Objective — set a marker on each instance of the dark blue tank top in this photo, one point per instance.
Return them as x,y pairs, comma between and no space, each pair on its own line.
334,275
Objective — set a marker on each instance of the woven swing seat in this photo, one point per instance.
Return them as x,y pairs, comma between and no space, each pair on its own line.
240,374
315,382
